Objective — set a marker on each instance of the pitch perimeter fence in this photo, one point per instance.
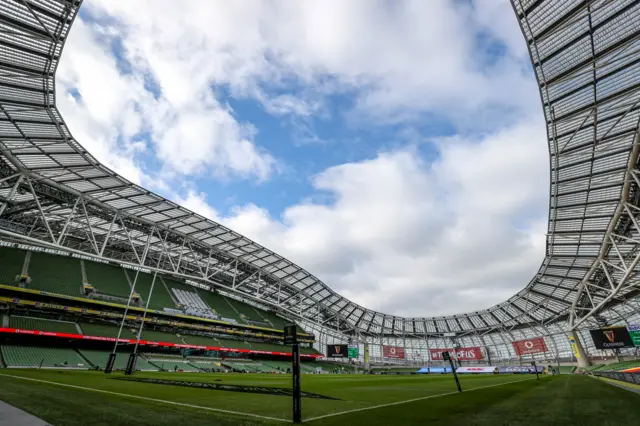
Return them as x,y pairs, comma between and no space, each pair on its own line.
623,377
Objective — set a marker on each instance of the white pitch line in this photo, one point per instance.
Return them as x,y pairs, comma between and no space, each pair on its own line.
407,401
219,410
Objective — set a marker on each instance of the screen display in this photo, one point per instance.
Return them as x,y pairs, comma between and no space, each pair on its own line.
337,351
611,338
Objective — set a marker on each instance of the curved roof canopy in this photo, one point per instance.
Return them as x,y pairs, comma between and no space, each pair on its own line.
586,59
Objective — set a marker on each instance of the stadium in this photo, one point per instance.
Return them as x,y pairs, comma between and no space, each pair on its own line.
94,268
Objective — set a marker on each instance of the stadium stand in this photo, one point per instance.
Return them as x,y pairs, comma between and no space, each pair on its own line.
272,347
281,366
179,366
248,367
219,304
160,336
99,359
310,351
107,279
11,261
616,366
55,274
246,312
275,321
230,343
28,323
106,330
208,366
159,299
190,301
199,340
567,369
34,356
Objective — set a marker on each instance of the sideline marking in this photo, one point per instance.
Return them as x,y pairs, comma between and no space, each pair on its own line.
163,401
409,400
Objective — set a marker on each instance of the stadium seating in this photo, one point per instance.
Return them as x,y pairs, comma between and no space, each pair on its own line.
33,356
177,366
199,340
616,366
29,323
231,343
106,330
160,336
107,279
99,359
55,274
248,367
310,351
11,261
220,305
246,312
159,299
281,366
208,366
275,321
272,347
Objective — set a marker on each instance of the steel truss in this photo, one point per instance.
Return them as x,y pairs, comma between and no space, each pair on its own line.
586,57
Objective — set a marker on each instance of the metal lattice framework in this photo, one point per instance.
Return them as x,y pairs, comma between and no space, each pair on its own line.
586,57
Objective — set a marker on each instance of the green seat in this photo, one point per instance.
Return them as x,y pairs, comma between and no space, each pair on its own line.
159,299
107,279
219,304
11,261
36,356
106,330
28,323
100,358
55,274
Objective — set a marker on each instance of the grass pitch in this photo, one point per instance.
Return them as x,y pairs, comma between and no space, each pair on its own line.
70,398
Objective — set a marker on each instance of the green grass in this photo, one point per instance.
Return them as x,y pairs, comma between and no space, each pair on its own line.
504,400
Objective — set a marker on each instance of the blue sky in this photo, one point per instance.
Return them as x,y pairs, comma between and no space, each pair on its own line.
372,143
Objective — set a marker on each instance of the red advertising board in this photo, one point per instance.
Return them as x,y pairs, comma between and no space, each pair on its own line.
535,345
145,342
462,354
393,352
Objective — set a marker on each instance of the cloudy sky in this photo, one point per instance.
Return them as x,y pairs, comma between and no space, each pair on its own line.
395,149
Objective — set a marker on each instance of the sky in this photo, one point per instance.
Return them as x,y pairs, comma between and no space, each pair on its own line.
394,149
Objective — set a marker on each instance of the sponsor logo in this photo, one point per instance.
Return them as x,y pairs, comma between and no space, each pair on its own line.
610,335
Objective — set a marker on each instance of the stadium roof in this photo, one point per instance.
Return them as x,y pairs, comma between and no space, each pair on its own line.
587,63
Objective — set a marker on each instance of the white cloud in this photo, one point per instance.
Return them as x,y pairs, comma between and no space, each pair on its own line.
410,238
401,235
400,57
115,111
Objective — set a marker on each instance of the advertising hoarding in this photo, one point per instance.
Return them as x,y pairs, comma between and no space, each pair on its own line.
396,352
461,354
476,370
337,351
611,338
531,346
634,332
520,369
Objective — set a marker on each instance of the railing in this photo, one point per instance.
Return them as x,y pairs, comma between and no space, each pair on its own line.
623,377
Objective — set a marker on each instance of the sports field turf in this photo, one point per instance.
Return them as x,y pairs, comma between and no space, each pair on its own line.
496,400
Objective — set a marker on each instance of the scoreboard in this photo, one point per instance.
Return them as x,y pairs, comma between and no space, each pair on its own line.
337,351
342,351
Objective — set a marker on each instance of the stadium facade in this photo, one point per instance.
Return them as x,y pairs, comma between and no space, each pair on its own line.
586,58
